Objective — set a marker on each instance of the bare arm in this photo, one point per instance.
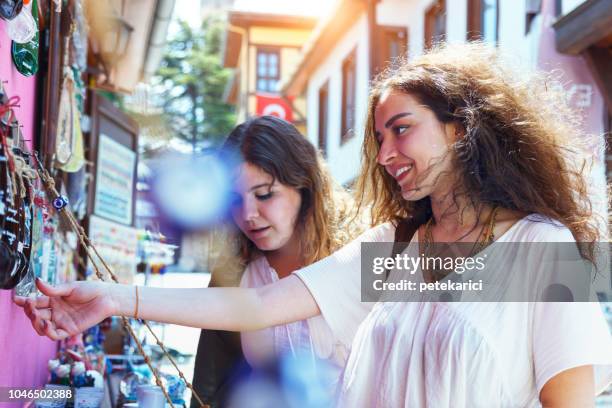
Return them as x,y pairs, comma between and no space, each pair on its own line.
570,388
234,309
69,309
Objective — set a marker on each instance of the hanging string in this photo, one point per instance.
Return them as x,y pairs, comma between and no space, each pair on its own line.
91,250
7,109
49,185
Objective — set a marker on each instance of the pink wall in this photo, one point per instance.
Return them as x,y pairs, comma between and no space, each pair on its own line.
586,98
575,73
23,354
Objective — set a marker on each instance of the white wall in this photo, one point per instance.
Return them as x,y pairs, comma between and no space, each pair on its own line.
511,28
456,21
569,5
343,160
395,13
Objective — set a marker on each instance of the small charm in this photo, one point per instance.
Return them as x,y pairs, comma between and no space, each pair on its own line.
60,202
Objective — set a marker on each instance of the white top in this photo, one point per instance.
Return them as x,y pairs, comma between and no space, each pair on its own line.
310,337
469,354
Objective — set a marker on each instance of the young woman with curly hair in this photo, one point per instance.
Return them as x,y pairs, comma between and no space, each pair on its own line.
458,148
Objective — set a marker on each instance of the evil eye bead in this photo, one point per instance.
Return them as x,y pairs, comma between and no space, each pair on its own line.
60,202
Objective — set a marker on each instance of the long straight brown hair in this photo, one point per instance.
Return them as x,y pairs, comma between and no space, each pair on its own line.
279,149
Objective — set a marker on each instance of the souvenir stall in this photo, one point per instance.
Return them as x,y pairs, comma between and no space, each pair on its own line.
154,254
25,354
67,179
41,106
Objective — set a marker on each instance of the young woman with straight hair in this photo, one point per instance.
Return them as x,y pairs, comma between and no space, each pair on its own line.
286,213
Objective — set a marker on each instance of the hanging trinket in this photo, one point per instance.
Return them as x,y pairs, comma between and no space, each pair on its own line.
79,375
69,152
25,175
60,202
10,261
25,55
9,9
16,178
62,374
37,230
8,256
80,37
52,365
22,28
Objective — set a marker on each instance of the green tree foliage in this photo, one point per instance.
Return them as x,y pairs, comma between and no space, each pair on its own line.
191,81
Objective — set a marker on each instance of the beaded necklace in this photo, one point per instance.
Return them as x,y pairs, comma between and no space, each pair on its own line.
485,237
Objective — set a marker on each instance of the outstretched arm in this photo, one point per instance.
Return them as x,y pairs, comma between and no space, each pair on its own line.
70,308
234,309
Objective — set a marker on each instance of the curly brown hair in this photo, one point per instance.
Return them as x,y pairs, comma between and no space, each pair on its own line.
519,145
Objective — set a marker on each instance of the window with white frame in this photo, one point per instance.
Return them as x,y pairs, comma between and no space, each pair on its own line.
268,69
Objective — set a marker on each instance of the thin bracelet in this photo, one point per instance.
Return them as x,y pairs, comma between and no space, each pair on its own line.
136,308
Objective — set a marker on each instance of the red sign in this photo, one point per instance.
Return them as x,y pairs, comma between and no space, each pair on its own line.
275,106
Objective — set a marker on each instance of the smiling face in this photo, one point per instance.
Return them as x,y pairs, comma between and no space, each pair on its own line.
414,145
265,210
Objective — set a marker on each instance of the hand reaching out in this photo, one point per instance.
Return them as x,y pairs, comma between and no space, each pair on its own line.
68,309
71,308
